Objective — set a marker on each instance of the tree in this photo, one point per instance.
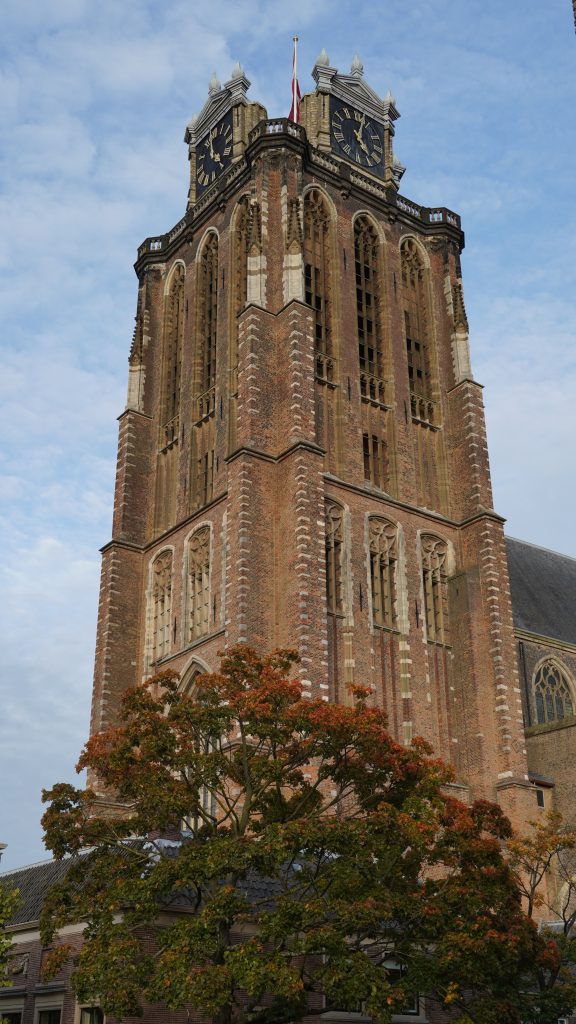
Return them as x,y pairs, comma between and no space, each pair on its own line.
544,860
8,904
312,857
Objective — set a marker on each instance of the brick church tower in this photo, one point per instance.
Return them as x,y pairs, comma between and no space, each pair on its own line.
302,458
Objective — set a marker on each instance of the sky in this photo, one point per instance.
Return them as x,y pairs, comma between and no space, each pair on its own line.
94,100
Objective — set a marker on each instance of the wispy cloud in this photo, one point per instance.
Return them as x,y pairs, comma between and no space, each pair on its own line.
93,103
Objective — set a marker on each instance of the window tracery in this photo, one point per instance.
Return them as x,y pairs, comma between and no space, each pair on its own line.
161,605
199,584
317,279
416,331
172,357
383,561
552,693
435,585
334,558
240,247
208,324
375,456
368,309
202,455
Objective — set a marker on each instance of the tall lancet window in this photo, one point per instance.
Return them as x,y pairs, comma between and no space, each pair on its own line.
199,584
368,311
376,447
416,329
240,277
208,315
161,605
317,278
435,586
383,561
202,459
334,559
424,408
318,295
172,358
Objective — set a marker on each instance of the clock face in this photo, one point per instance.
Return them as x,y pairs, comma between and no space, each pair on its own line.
356,136
214,153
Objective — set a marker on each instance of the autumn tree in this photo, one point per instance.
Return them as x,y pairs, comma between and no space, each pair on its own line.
280,853
544,860
8,903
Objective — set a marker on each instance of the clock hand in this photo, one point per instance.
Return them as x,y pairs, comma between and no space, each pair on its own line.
358,133
215,156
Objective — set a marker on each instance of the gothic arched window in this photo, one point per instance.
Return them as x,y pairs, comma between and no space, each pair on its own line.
240,245
202,454
382,541
334,558
161,605
317,278
240,262
416,330
368,314
435,586
552,693
199,584
172,357
208,321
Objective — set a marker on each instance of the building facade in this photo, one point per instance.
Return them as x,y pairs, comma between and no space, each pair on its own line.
302,458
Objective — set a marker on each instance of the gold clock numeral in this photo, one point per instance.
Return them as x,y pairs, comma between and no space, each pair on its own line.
338,135
346,148
346,113
227,150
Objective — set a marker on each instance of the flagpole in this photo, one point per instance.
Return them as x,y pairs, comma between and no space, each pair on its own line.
294,114
295,76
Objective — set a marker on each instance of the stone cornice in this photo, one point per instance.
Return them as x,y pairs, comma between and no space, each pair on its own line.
547,641
277,133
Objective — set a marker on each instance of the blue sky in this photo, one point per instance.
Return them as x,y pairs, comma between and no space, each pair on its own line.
94,99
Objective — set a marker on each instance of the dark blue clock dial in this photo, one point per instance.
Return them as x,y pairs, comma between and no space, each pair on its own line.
357,136
214,153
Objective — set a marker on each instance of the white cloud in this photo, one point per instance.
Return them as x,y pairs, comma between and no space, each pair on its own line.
94,99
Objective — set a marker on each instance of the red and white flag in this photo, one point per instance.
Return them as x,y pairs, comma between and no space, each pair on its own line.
294,114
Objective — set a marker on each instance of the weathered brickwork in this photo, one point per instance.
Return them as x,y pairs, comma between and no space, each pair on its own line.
390,426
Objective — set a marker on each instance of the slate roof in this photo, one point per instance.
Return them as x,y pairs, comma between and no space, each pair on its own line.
543,590
33,884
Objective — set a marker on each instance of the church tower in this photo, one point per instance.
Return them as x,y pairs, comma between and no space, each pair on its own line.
302,459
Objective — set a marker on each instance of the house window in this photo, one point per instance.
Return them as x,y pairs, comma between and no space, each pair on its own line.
552,694
51,1016
91,1015
199,584
11,1016
161,606
334,559
435,586
383,560
172,358
396,972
